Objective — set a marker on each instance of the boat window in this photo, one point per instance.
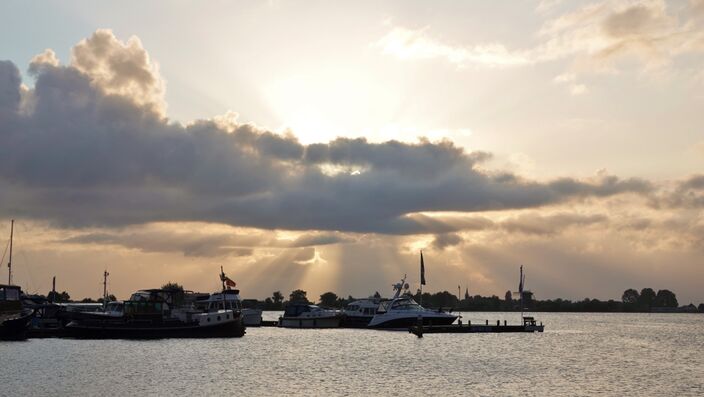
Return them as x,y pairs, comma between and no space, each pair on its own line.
10,294
406,304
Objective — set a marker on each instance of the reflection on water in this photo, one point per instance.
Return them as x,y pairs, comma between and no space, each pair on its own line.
579,354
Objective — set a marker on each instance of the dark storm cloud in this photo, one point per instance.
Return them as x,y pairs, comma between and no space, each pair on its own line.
92,155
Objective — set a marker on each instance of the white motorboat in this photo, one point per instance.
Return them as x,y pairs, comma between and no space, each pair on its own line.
303,315
359,313
402,312
232,301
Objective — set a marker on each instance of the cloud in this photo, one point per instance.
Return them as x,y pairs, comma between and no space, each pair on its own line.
121,68
445,240
200,240
45,58
9,90
688,193
85,156
417,44
537,224
595,37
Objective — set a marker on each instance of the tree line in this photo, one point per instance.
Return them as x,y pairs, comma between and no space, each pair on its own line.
647,300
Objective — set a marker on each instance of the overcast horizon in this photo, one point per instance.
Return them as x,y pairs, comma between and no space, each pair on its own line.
323,145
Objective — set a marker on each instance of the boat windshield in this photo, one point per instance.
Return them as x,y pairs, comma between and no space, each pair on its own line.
9,293
406,304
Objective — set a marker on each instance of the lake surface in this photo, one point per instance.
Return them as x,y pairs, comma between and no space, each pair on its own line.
578,354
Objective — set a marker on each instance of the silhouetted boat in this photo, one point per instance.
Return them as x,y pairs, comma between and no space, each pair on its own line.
402,312
160,313
230,299
358,313
14,320
303,315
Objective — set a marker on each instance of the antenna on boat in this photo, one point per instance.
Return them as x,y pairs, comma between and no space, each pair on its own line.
9,263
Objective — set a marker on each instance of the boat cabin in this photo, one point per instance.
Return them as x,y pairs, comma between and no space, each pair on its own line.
227,300
405,304
296,309
10,299
364,307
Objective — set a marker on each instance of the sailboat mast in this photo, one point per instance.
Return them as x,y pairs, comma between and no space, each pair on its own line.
9,263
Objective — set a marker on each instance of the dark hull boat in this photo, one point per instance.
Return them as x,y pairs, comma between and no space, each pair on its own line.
112,329
406,322
14,320
15,327
162,313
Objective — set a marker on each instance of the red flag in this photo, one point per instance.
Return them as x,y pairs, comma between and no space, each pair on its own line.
229,282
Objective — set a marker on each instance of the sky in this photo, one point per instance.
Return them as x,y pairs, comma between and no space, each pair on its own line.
322,145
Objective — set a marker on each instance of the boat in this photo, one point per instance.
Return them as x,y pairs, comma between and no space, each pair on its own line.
358,313
402,312
14,320
230,299
305,315
160,313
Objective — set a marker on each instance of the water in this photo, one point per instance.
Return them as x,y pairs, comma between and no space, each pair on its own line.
579,354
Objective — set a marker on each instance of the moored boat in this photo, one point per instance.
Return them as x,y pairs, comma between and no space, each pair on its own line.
160,313
358,313
14,320
402,312
304,315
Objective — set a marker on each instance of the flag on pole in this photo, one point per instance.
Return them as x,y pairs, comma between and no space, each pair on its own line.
229,283
422,269
520,283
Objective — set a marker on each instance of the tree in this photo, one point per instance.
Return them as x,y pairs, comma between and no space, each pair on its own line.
328,299
298,296
377,295
277,297
665,298
172,286
111,298
177,292
630,296
508,297
701,308
647,297
58,297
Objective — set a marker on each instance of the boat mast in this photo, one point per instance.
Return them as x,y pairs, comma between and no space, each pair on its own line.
9,263
222,279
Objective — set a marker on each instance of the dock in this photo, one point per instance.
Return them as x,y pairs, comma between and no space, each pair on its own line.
529,325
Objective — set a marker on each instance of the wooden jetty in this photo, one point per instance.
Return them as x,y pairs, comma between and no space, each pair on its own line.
529,325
